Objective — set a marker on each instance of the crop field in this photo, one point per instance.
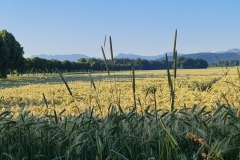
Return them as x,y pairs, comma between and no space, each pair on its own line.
201,87
97,116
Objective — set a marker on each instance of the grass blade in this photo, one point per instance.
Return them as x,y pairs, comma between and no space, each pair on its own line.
120,155
134,87
111,48
105,38
105,60
55,116
172,139
168,73
45,100
238,74
175,55
170,84
92,82
68,88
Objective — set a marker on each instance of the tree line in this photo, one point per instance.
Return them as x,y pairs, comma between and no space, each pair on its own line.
225,64
39,65
12,61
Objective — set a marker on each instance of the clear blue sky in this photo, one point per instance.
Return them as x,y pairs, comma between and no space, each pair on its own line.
136,26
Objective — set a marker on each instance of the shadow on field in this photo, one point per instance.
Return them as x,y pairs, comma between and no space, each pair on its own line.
18,81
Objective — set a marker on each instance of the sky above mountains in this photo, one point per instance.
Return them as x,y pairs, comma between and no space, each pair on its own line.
136,26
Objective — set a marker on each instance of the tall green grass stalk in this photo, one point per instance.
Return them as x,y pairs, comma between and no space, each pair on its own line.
105,61
175,55
69,90
171,82
45,100
134,88
95,89
105,39
113,62
111,48
238,74
67,86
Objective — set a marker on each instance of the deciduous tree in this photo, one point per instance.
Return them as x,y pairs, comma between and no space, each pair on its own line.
11,54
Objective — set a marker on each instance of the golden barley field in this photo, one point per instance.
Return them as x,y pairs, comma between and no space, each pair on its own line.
203,87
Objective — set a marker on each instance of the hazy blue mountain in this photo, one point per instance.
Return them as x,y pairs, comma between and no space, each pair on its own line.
70,57
233,54
134,56
233,50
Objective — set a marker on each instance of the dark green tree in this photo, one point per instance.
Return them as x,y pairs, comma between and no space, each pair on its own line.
66,65
11,54
234,63
200,63
81,60
28,65
223,63
4,54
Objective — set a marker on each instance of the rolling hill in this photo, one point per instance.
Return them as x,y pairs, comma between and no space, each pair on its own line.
233,54
212,57
70,57
134,56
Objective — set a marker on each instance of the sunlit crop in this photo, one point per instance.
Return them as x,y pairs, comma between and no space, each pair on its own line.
200,87
93,116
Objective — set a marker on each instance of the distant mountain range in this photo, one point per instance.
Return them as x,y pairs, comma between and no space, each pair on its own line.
233,54
70,57
134,56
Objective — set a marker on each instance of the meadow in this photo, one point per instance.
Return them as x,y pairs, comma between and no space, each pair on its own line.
121,115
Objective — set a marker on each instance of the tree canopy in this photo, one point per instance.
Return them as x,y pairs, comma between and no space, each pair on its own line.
11,53
38,65
225,64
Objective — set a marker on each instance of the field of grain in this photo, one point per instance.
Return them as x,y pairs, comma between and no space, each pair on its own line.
95,118
201,87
